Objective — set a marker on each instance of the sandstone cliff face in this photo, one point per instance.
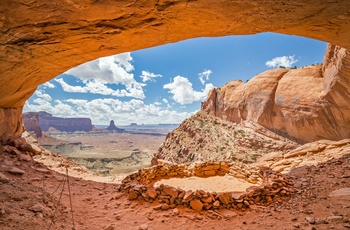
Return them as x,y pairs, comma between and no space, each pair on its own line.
42,121
31,123
306,104
301,105
40,40
46,120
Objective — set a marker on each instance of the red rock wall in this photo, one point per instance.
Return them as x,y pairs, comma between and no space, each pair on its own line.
304,104
31,123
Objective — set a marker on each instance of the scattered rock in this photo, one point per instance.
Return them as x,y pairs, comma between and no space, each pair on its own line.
118,195
165,206
110,227
16,171
3,178
37,208
151,192
24,157
343,193
132,195
310,220
176,212
143,227
196,205
335,219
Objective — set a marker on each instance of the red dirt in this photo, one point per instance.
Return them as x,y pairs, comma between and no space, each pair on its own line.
97,206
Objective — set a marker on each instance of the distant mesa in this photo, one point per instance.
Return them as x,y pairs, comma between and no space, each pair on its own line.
112,127
43,121
133,124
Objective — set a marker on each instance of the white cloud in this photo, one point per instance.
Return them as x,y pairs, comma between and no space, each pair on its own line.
49,85
286,61
69,88
165,100
101,111
204,76
107,70
97,87
183,92
148,76
41,94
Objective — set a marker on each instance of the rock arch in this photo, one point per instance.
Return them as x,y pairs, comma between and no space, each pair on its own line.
41,39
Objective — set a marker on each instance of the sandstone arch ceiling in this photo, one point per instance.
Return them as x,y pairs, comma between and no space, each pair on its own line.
41,39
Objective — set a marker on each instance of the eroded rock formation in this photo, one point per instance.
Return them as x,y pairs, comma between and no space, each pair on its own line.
40,40
112,127
31,123
42,121
306,104
46,120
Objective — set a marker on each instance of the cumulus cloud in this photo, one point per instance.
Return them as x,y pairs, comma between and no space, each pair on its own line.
97,87
41,94
49,85
183,92
148,76
96,74
286,61
102,110
204,76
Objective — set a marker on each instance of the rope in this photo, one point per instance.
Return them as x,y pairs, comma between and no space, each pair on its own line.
70,199
59,200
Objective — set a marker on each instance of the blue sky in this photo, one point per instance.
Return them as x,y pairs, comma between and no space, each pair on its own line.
166,84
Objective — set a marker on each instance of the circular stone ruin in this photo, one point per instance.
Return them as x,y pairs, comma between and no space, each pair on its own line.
222,185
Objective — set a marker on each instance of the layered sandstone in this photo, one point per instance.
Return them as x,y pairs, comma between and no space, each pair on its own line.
40,40
112,127
31,123
43,121
46,121
305,104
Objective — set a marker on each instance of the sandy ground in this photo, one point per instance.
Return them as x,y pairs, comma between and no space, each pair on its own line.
222,184
40,199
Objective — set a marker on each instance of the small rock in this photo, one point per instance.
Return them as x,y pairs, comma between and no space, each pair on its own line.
165,206
143,227
335,219
296,225
176,211
311,220
151,192
171,191
158,207
132,195
343,193
216,204
24,157
3,178
110,227
37,208
42,170
118,195
16,171
196,205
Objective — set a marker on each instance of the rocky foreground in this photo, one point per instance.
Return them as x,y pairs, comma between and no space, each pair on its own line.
34,196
